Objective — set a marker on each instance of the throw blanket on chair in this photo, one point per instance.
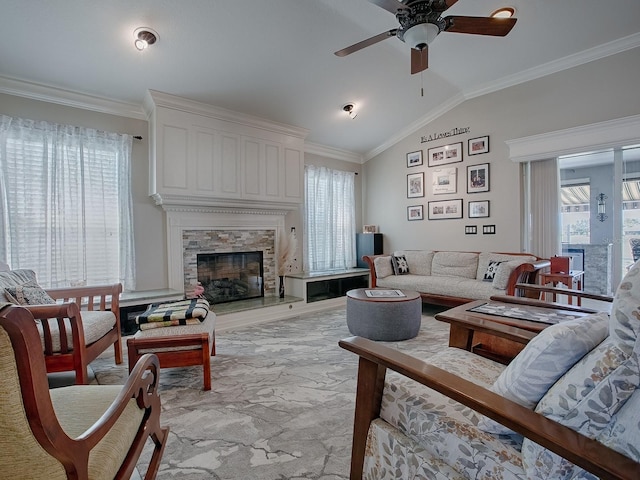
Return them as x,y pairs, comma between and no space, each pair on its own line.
186,312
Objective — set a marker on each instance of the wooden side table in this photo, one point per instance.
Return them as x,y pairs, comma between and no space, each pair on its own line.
572,280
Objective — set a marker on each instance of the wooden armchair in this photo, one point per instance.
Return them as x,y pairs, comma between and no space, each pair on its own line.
375,359
75,332
73,338
78,432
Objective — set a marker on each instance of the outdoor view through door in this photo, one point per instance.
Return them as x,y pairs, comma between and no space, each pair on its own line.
600,211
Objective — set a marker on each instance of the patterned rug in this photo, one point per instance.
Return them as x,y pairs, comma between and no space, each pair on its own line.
281,404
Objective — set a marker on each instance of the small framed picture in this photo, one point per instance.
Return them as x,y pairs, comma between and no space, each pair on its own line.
370,229
479,209
471,230
414,159
415,185
478,178
479,145
445,209
444,180
414,212
445,154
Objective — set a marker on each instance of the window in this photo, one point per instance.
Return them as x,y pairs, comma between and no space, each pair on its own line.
330,229
576,216
65,203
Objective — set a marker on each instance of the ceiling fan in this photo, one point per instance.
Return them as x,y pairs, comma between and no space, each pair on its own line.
421,22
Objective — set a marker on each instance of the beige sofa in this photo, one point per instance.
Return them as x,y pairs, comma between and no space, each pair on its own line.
452,278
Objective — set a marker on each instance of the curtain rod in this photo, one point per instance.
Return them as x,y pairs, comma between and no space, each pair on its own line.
137,137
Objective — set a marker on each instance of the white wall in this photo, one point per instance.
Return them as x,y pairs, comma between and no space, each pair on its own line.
602,90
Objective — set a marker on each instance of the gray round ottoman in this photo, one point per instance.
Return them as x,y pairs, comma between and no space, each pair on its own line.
378,314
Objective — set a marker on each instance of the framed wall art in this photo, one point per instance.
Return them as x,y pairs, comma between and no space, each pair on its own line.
445,154
414,159
478,178
479,145
414,212
478,209
444,180
370,229
415,185
445,209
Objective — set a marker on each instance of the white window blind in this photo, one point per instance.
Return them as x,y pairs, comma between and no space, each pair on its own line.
65,203
330,227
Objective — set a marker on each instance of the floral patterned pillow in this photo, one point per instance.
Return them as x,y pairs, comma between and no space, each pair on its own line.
28,294
544,360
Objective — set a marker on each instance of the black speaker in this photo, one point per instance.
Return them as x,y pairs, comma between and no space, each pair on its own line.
367,244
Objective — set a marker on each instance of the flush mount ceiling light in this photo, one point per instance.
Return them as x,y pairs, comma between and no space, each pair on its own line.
350,109
504,12
144,36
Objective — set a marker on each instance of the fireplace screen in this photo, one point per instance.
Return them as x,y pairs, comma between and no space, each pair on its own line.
227,277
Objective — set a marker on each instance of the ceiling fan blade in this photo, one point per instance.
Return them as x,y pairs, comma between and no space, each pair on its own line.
419,59
391,5
365,43
498,27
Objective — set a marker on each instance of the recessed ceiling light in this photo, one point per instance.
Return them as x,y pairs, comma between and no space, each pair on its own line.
144,36
350,109
504,12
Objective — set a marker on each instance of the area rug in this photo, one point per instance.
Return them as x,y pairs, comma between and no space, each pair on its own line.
281,404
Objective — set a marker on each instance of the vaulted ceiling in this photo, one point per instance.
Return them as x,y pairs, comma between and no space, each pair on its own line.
274,58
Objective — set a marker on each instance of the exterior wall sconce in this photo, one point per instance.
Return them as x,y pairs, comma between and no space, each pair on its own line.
602,207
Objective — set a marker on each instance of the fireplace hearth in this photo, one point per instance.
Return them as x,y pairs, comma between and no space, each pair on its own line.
231,276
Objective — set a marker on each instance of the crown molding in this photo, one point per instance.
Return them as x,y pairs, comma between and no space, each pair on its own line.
155,99
565,63
596,136
332,152
586,56
68,98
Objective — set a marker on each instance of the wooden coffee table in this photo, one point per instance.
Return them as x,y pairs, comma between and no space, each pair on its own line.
473,331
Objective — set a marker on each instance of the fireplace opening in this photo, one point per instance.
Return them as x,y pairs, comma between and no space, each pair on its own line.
227,277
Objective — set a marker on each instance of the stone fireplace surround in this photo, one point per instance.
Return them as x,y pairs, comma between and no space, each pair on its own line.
192,230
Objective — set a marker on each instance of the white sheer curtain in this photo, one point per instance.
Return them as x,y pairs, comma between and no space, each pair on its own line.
65,203
330,226
544,220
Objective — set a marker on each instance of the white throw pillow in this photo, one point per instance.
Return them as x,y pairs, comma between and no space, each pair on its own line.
505,269
544,360
383,266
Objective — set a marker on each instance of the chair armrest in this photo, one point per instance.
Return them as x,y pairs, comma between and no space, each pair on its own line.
579,449
369,259
526,273
58,312
142,385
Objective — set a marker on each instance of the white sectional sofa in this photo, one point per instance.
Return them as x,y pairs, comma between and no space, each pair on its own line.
452,278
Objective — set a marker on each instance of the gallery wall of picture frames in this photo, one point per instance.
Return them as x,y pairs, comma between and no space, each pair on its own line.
442,175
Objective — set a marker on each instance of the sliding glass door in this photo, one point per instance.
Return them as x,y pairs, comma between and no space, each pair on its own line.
600,213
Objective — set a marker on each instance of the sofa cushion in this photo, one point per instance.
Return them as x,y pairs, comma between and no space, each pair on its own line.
446,428
485,257
455,264
440,285
503,273
544,360
419,260
28,294
383,266
95,324
13,278
400,265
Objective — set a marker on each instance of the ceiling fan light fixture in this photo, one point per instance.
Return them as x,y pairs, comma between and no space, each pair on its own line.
504,12
350,109
144,36
420,35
